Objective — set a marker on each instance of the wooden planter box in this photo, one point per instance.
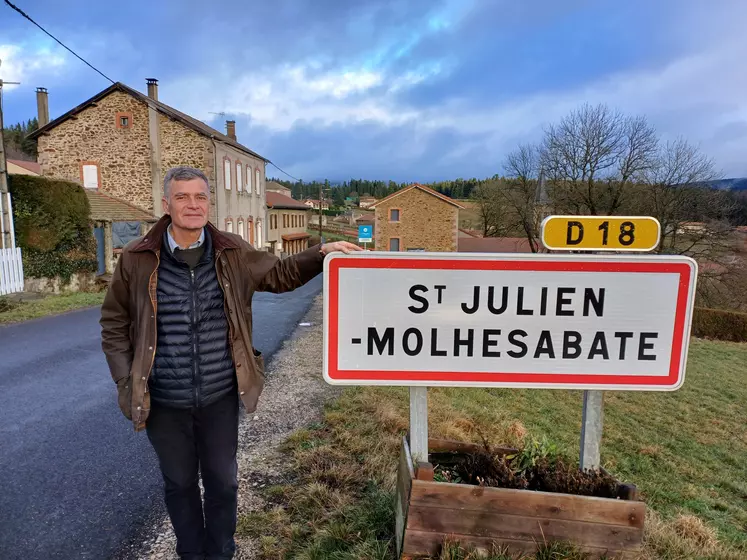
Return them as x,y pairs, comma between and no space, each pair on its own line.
428,513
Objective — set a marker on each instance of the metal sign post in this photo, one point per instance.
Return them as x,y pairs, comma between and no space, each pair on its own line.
592,426
595,234
365,235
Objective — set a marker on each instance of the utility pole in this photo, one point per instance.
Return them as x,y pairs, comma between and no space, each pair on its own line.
320,212
7,219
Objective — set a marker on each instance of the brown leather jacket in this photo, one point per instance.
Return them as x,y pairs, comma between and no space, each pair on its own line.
128,315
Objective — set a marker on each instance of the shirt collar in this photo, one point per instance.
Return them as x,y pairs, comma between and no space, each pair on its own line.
173,244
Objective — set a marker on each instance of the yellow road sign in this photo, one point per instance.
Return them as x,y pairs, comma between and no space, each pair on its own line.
600,233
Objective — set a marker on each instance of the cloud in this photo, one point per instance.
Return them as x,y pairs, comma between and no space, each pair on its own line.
21,63
414,89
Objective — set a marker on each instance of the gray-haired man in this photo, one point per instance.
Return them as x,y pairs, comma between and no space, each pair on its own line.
177,334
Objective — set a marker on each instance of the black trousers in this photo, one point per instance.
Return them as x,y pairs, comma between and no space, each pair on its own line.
204,440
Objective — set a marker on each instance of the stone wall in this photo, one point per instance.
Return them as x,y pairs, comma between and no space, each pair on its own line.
122,154
426,222
79,282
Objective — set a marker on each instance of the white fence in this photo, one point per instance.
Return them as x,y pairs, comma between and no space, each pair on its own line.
11,271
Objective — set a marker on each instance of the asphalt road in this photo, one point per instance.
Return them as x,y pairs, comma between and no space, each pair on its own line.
75,480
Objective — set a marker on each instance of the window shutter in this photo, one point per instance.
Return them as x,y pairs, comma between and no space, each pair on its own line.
91,176
227,173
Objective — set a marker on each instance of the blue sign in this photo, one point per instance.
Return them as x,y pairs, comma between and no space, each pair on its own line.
365,234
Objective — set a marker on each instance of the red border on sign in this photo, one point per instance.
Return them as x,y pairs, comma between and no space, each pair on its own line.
683,270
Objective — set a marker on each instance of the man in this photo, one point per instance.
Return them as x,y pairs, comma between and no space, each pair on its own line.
177,333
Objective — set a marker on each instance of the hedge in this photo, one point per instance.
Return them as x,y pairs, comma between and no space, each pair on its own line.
719,324
53,227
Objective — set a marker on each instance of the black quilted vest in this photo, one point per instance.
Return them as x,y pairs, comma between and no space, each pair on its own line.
193,366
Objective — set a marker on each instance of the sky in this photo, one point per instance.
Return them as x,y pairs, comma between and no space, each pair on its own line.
408,90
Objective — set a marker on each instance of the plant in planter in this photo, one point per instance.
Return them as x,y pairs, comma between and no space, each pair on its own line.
510,498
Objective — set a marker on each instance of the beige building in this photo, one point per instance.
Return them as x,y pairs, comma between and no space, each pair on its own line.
288,222
121,142
416,218
273,186
22,167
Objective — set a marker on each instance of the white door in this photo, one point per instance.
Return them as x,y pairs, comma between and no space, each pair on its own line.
90,176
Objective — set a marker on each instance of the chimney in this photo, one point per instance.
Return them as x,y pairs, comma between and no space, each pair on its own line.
42,106
152,88
231,130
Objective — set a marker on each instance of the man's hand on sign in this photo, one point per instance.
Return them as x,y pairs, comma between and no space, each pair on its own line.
340,246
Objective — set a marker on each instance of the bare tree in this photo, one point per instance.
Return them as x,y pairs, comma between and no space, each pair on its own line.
593,154
493,213
519,191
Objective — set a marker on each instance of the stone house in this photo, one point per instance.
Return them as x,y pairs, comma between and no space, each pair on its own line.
121,142
416,218
274,186
115,223
288,222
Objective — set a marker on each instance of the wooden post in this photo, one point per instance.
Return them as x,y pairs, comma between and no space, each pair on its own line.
419,424
592,425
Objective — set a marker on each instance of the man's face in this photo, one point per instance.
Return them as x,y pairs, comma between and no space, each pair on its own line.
188,203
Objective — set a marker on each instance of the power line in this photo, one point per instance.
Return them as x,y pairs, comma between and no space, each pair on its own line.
281,171
24,14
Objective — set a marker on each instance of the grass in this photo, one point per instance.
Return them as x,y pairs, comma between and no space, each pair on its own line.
15,312
686,451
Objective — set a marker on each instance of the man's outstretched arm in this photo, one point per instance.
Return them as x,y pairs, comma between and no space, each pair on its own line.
283,275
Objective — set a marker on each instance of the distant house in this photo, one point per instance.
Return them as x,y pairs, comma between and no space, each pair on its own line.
115,223
494,245
121,142
21,167
416,218
471,233
366,201
288,220
314,203
273,186
692,227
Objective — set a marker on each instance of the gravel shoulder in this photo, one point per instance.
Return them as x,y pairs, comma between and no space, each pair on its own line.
294,396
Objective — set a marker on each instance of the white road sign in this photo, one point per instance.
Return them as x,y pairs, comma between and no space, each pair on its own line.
495,320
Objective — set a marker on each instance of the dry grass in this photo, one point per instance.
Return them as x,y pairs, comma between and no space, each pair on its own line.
341,506
16,312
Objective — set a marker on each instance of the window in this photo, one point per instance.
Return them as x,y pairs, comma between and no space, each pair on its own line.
259,234
275,219
229,225
241,228
394,214
394,244
256,182
90,175
250,230
227,173
249,179
239,180
285,220
295,223
124,120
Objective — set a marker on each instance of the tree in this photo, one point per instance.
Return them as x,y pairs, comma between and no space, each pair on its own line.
491,209
519,191
594,146
17,142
